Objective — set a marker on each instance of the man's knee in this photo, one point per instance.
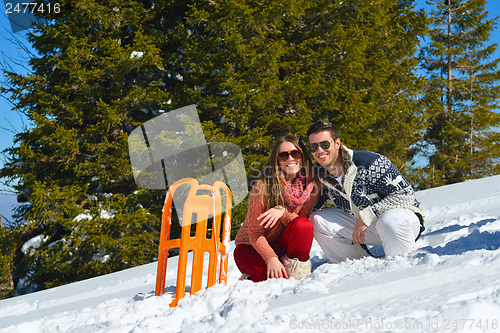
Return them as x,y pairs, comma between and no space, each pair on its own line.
330,221
395,219
396,228
313,219
318,221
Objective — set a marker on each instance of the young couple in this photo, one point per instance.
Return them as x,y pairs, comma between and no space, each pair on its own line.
374,204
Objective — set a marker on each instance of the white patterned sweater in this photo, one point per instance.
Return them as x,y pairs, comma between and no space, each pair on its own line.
371,185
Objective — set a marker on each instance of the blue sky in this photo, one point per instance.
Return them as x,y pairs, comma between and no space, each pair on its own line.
11,122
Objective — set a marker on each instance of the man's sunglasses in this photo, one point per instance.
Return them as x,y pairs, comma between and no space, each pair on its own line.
283,156
323,144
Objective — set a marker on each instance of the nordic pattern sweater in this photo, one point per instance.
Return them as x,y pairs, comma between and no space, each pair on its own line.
371,185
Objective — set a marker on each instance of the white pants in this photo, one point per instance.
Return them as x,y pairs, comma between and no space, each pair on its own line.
395,230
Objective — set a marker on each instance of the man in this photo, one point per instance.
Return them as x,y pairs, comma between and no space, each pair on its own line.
375,205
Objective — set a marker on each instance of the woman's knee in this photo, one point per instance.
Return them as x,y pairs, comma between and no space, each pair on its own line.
249,261
302,224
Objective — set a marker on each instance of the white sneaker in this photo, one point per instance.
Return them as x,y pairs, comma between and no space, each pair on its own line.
244,276
296,268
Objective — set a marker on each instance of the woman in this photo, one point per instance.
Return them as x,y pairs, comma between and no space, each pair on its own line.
276,237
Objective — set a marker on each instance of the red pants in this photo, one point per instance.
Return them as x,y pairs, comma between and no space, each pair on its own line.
295,242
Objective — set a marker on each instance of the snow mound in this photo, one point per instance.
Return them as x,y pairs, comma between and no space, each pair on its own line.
448,283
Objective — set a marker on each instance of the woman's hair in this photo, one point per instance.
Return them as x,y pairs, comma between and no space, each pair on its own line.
270,181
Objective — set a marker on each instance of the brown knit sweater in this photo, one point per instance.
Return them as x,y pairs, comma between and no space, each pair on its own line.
252,233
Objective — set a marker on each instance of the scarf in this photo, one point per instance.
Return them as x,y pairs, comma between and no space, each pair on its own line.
296,193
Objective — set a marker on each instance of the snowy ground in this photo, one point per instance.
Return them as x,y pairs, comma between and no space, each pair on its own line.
449,283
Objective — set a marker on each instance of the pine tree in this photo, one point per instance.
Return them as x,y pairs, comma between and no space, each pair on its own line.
271,68
373,88
96,78
259,70
254,70
462,135
8,238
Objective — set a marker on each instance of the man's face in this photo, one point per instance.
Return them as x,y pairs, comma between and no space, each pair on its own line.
324,156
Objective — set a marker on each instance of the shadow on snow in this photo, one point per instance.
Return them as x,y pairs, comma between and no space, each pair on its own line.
474,240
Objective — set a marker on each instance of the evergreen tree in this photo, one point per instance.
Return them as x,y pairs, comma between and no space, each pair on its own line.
462,135
259,70
8,240
95,79
255,71
279,66
373,90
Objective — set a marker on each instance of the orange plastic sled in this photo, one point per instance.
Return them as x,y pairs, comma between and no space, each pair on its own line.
203,205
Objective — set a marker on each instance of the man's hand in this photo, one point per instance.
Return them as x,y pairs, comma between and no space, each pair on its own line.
275,269
271,216
358,234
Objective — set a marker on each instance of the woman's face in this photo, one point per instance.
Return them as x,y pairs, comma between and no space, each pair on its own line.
289,159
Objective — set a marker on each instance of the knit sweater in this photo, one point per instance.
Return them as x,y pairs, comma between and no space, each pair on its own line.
371,185
261,238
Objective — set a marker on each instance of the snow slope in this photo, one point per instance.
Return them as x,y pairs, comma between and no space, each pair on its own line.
449,283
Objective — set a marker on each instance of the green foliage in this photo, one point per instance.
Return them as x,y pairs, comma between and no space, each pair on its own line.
255,70
271,68
373,92
97,77
8,240
109,235
462,95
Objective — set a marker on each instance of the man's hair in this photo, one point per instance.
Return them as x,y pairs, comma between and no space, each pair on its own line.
323,126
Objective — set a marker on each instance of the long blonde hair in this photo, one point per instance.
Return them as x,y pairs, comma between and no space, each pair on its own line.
270,182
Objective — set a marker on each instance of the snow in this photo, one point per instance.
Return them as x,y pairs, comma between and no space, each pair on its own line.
136,55
107,215
104,214
80,217
33,243
448,283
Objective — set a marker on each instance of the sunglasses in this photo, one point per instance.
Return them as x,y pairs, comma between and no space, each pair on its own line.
323,144
283,156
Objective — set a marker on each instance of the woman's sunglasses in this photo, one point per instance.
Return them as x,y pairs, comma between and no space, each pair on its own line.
323,144
283,156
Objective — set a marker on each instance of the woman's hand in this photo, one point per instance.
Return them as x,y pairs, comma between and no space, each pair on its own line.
271,216
275,269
